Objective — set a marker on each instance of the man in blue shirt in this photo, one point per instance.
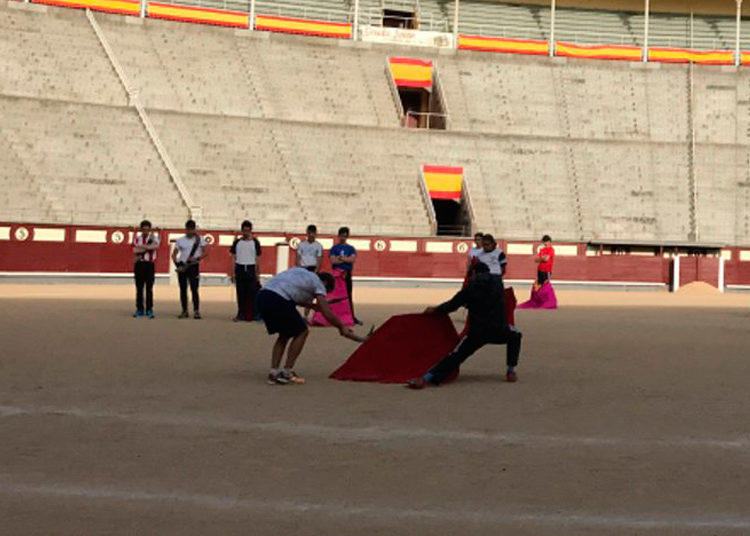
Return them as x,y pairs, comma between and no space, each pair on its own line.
342,257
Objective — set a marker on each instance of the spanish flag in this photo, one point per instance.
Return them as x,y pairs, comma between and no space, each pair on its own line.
120,7
303,26
684,55
443,182
410,72
604,52
502,44
201,15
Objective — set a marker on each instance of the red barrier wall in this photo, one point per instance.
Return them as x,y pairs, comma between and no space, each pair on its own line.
102,250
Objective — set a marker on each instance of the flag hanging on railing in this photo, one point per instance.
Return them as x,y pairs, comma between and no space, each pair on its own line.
443,182
410,72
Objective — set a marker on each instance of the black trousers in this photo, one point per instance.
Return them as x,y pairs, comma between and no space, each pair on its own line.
542,277
144,281
246,285
191,276
470,344
349,289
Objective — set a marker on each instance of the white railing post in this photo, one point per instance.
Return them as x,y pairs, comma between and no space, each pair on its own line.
720,284
355,22
551,46
676,273
251,21
647,10
737,44
144,8
282,257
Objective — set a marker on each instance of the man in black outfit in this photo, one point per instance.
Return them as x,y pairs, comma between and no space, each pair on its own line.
188,252
245,253
483,296
145,244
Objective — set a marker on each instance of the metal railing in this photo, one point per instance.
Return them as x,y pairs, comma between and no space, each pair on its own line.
374,16
427,201
427,120
135,101
303,12
394,91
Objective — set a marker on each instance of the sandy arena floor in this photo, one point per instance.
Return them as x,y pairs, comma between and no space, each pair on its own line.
632,416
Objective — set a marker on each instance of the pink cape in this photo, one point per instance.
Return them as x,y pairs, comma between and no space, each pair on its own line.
338,300
541,298
405,347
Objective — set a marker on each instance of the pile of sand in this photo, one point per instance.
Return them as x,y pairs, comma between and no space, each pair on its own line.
698,288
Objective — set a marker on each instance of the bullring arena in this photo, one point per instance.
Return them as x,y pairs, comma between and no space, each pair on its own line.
618,127
628,418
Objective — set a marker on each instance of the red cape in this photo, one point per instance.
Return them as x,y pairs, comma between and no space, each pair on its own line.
405,347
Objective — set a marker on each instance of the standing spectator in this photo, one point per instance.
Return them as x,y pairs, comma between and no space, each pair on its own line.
245,252
545,259
474,252
309,251
343,256
145,244
477,249
188,252
492,256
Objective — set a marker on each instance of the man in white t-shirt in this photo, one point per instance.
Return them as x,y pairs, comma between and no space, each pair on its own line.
492,256
245,253
277,304
309,251
477,249
189,251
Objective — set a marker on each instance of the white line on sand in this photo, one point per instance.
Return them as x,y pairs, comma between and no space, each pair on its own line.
383,514
382,433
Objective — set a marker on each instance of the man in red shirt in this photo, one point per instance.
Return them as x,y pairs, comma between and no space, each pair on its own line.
545,259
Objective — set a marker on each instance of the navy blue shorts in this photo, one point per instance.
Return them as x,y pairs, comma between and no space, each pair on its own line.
280,315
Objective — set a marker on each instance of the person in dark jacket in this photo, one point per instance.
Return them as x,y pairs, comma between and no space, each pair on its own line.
483,296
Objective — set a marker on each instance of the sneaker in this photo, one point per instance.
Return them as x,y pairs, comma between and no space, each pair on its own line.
293,377
150,314
197,315
277,378
138,314
184,314
511,377
417,383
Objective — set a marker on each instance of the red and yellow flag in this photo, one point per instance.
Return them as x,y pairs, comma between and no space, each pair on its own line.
303,26
203,15
443,182
502,44
684,55
410,72
121,7
604,52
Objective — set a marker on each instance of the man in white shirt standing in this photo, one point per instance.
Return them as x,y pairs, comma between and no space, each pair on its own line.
492,256
245,253
189,251
277,304
309,251
477,249
145,244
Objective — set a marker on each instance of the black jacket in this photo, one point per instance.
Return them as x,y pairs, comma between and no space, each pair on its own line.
483,296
